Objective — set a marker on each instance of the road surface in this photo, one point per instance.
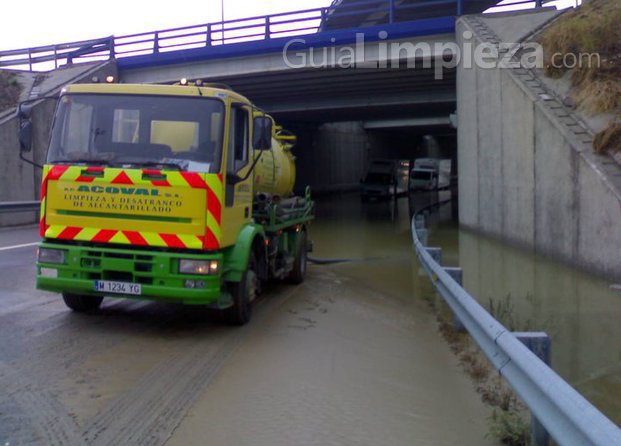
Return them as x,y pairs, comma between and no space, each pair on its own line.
338,360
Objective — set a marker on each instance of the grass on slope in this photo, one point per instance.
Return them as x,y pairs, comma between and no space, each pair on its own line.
590,34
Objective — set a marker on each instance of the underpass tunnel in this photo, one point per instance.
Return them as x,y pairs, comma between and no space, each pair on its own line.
334,156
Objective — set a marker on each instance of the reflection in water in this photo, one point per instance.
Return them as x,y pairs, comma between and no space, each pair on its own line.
579,311
376,234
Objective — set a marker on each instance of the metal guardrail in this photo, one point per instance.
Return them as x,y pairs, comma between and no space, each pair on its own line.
568,417
19,206
304,22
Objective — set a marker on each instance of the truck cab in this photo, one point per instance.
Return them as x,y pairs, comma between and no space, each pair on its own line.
430,174
425,179
380,180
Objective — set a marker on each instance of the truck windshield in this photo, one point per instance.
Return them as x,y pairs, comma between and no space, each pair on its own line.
421,175
378,178
118,130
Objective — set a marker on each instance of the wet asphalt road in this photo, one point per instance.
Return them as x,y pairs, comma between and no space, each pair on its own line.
333,361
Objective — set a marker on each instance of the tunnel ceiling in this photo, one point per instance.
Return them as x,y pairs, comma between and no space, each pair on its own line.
328,95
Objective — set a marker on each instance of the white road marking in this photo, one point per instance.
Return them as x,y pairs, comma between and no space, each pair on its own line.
6,248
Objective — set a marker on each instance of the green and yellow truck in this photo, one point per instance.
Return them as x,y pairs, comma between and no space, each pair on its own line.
175,193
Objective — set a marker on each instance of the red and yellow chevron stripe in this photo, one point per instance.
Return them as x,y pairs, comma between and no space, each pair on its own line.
209,239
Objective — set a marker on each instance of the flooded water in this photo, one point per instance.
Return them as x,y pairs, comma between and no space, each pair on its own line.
375,235
525,291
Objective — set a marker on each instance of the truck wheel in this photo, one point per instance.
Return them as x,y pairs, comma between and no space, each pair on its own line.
82,304
298,272
244,292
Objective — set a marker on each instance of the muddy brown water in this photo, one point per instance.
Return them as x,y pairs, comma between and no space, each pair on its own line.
525,291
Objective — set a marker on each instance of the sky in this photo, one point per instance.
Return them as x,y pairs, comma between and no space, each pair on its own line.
29,23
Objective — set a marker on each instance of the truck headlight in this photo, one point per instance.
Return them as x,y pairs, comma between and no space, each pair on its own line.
203,267
48,255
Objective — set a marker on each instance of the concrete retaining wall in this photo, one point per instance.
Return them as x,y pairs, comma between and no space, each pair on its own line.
528,174
17,181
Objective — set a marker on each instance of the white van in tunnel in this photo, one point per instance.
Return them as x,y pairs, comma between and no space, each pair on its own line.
430,174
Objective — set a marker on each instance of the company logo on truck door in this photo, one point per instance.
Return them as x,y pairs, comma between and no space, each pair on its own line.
119,190
174,209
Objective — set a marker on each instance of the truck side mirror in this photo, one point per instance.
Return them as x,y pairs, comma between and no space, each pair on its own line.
25,127
25,136
262,133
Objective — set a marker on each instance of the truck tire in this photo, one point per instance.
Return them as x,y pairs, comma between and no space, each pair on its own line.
82,304
298,272
243,292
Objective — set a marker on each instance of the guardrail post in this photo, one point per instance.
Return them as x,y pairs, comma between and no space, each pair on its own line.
538,3
458,276
421,231
540,344
156,43
436,254
422,235
267,28
29,60
460,7
391,12
419,222
208,35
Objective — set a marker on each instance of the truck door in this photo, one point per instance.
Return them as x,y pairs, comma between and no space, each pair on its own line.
238,197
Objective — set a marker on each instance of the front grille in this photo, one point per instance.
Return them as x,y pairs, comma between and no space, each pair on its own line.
99,265
121,276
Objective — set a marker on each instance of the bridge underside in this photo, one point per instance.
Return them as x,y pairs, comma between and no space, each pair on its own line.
328,95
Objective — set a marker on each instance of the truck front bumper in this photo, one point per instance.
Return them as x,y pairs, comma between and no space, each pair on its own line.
157,272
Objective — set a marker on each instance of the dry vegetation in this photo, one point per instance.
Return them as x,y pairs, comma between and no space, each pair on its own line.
594,28
9,90
509,421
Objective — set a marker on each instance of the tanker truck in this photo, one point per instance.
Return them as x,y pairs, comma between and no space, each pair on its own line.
173,193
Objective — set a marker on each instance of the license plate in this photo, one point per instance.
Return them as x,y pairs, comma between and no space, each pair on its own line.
108,286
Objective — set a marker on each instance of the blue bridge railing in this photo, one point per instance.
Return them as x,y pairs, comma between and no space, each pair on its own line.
342,14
